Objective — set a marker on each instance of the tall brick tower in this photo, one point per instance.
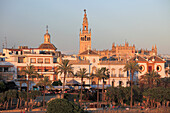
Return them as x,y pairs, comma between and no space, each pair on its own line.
85,35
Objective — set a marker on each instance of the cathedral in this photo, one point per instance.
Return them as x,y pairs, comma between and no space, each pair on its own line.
45,59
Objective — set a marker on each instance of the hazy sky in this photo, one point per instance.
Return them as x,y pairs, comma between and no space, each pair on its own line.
140,22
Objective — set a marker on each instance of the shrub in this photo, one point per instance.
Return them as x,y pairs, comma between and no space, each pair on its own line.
63,106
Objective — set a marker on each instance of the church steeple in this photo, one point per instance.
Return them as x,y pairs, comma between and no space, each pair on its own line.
85,35
47,36
85,22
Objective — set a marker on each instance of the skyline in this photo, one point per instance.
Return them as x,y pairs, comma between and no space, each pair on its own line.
111,22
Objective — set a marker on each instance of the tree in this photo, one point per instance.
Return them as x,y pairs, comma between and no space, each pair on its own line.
2,86
57,83
99,74
44,82
165,82
63,106
132,67
30,72
82,73
150,79
65,68
11,94
118,94
2,98
33,95
22,96
105,76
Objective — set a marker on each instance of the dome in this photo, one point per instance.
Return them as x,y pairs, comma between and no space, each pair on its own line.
47,46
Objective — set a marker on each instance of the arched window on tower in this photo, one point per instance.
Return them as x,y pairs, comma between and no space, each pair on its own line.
84,27
85,37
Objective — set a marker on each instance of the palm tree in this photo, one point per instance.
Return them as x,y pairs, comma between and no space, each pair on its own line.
105,76
30,72
65,68
132,67
165,82
150,79
99,75
44,82
82,73
22,96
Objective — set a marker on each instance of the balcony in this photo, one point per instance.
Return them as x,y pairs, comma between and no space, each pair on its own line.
113,75
121,75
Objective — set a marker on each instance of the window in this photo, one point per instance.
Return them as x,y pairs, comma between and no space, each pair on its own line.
113,73
47,60
21,59
158,68
5,69
40,60
85,37
33,60
54,60
1,69
120,83
39,70
113,83
142,68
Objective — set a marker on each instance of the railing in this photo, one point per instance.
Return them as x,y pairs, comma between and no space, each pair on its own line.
121,75
112,62
113,75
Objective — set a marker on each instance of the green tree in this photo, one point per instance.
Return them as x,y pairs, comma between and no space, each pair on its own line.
150,79
22,96
11,94
57,83
99,75
2,86
33,95
132,67
165,82
2,98
105,76
82,73
30,72
65,68
44,82
63,106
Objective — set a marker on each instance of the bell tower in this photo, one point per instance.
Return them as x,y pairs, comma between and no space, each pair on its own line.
85,35
47,36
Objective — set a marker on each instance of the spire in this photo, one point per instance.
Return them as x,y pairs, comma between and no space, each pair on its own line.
46,28
85,21
155,46
47,36
152,48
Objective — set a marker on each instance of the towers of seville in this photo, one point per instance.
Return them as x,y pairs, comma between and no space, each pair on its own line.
85,35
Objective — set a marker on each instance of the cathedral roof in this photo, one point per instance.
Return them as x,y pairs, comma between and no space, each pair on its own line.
88,52
47,46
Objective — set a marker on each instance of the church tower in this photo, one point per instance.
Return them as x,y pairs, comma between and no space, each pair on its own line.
85,35
47,36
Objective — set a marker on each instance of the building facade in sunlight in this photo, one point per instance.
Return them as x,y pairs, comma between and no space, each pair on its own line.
46,58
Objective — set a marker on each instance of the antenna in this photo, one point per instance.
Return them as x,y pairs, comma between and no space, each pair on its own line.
2,45
6,42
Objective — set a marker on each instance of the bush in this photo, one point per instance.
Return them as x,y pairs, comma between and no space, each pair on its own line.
63,106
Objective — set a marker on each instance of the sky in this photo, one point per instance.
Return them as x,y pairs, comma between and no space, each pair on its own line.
140,22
